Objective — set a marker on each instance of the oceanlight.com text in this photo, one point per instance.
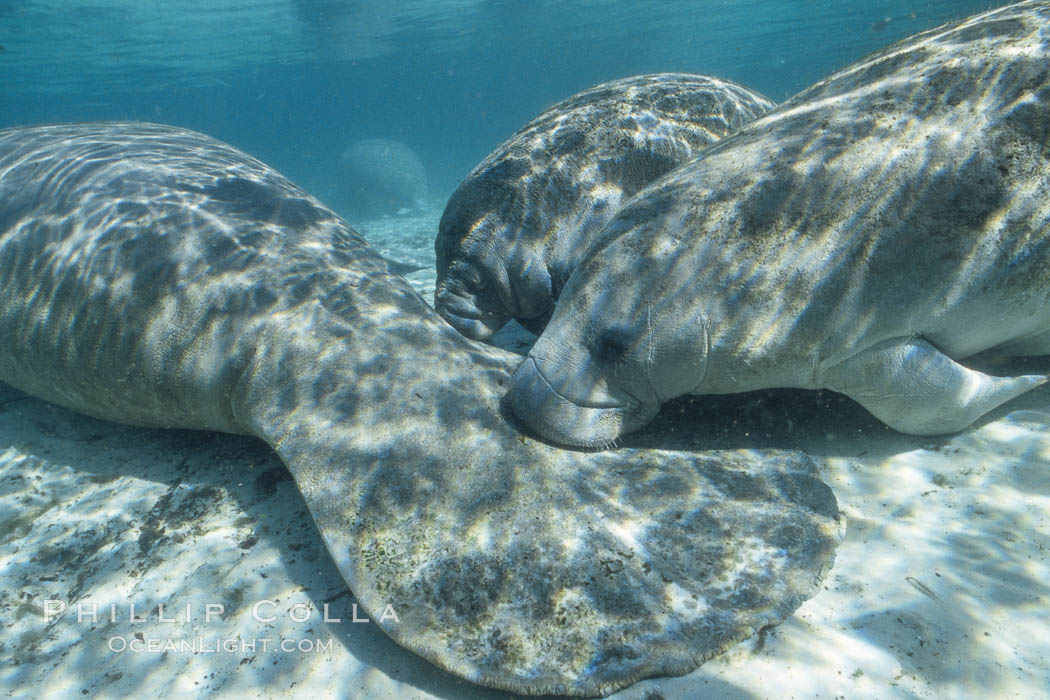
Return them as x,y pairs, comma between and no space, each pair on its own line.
203,645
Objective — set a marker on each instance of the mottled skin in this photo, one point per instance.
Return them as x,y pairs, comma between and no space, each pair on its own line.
515,229
862,237
154,276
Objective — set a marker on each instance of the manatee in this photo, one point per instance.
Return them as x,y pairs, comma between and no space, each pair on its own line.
154,276
382,177
862,237
521,221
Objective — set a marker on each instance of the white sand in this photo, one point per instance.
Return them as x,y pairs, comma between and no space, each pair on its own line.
940,589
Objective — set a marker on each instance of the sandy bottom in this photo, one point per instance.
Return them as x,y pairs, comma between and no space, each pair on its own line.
939,590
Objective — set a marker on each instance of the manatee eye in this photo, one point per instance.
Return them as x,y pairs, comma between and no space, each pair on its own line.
612,345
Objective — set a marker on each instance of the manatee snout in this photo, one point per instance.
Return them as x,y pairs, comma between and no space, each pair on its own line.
463,313
479,298
594,421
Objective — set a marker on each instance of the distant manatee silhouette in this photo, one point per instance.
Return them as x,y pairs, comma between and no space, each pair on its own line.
382,177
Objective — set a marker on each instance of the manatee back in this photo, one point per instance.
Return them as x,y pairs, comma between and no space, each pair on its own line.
140,265
528,212
617,136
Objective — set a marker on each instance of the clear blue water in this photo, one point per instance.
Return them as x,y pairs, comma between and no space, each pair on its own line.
294,81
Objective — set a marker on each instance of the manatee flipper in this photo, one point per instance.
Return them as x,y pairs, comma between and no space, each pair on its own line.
915,388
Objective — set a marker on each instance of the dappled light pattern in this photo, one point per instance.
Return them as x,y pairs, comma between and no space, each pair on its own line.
863,236
515,229
153,276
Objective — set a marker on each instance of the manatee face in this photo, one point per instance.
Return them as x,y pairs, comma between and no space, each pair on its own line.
482,284
608,358
464,297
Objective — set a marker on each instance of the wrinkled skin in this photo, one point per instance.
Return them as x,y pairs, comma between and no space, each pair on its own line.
861,238
515,229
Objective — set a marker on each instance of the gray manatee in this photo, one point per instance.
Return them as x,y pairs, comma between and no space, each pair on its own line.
862,237
154,276
521,221
382,177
